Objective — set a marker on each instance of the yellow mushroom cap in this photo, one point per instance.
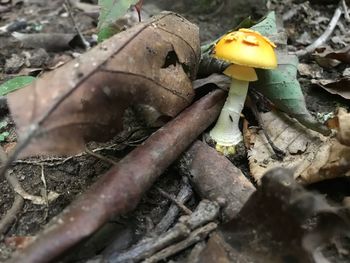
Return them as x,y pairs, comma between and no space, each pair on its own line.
246,48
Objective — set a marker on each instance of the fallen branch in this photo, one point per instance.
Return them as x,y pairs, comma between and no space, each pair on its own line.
215,178
196,236
186,210
121,188
11,214
205,212
183,196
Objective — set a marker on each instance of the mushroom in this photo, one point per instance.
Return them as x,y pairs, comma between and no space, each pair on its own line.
246,49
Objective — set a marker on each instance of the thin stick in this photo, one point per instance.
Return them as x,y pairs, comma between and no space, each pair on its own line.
68,8
174,200
11,214
100,156
205,213
15,184
345,10
138,7
195,237
16,207
325,36
182,197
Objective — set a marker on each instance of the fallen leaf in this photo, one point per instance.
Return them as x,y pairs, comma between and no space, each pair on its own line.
15,84
339,87
151,64
220,80
282,88
255,235
329,58
312,156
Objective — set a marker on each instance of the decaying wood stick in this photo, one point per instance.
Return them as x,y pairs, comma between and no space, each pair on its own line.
205,212
120,189
183,196
11,215
196,236
215,178
184,209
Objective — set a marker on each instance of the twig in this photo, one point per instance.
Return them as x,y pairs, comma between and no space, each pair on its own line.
205,212
180,205
138,8
11,214
43,179
345,10
16,207
325,36
13,181
55,161
99,156
68,8
183,196
120,189
195,237
215,178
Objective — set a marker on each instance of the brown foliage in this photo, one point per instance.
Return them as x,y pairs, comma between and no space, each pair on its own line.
151,64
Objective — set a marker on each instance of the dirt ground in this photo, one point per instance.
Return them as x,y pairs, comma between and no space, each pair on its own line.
68,177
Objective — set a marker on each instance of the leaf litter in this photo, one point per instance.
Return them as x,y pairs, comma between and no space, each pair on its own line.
331,160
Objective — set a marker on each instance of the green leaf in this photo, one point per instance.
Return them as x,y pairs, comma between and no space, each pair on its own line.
111,11
267,25
14,84
280,85
3,136
282,88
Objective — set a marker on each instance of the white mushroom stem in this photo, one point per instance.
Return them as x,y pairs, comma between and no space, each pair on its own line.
226,131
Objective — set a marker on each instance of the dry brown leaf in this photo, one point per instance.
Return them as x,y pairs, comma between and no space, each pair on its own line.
338,87
254,234
151,64
328,58
312,156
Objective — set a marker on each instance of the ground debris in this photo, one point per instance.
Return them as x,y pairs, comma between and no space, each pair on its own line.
255,235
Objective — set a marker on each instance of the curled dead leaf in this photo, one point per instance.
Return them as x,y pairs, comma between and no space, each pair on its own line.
328,58
150,64
339,87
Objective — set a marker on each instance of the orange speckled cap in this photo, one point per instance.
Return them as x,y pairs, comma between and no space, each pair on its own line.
246,48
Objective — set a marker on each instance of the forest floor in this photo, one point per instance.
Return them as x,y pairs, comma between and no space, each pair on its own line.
71,176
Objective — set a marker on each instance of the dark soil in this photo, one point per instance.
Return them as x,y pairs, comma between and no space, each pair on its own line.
70,177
